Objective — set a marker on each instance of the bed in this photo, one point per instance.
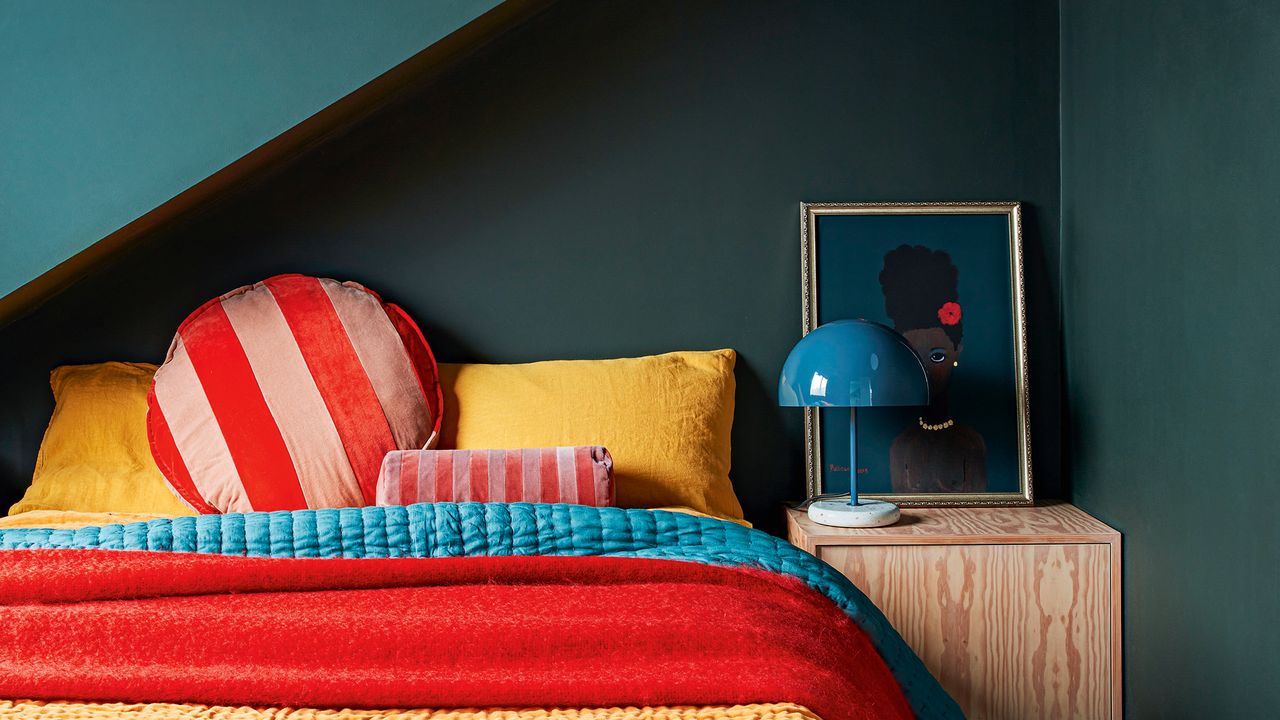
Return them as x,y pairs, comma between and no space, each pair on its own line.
441,609
446,605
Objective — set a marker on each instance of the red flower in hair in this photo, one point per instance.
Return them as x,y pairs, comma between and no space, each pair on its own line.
949,313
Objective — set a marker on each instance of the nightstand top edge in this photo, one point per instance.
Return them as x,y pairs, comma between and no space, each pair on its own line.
1052,522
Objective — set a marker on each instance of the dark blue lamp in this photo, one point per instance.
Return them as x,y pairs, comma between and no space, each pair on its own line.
853,364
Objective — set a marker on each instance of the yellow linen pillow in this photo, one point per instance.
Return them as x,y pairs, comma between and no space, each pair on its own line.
665,419
95,456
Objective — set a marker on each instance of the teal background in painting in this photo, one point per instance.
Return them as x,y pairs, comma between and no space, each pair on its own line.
983,391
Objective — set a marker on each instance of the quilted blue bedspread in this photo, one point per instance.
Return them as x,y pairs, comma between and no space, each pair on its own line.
476,529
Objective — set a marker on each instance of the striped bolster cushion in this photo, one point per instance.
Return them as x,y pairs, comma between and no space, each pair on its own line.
580,475
287,394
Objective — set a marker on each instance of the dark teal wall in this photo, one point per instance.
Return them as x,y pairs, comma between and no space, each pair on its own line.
108,109
1171,192
620,178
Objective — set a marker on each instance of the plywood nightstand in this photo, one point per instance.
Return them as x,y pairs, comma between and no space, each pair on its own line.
1015,610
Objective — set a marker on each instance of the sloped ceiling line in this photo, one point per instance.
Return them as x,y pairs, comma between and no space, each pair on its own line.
120,117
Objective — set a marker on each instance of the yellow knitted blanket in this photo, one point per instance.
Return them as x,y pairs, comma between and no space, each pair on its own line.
169,711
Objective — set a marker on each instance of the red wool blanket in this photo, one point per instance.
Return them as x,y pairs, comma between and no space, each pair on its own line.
452,632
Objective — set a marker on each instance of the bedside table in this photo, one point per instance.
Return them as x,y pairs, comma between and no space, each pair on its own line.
1015,610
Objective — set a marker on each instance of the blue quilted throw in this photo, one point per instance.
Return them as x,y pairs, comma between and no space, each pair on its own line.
451,530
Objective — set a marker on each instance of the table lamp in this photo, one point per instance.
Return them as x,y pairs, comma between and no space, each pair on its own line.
853,364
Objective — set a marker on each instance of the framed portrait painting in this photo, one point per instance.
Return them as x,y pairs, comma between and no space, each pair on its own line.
948,277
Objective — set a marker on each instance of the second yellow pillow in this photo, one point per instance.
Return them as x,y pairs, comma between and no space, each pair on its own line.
665,419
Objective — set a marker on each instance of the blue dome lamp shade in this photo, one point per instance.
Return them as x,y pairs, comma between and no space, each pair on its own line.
853,364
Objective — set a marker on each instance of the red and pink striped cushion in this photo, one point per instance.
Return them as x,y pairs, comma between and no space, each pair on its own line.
580,475
287,394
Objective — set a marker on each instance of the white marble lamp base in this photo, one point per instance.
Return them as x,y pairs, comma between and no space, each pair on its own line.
867,513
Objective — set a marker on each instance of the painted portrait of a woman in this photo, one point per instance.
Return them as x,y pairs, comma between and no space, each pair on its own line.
948,277
937,453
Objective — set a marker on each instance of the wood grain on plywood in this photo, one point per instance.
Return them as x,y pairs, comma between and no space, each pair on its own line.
1012,631
1054,522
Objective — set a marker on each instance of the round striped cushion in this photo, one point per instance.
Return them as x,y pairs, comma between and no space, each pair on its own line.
287,394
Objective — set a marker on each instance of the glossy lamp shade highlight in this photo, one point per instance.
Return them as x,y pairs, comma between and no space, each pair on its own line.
853,364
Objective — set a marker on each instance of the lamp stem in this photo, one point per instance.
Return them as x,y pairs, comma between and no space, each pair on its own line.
853,456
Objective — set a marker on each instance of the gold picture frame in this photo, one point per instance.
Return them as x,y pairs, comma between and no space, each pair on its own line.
810,213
